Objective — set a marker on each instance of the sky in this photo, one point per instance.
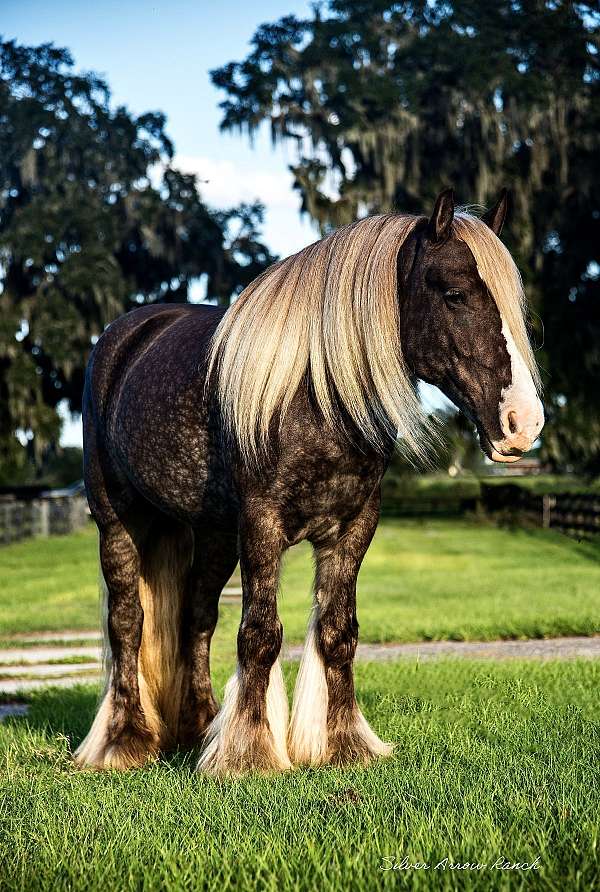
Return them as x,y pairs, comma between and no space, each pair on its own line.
157,56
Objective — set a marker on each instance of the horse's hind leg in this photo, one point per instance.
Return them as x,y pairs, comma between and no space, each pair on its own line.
327,725
215,558
122,736
249,733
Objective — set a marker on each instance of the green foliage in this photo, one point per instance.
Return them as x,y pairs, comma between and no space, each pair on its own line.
491,760
93,221
61,466
388,103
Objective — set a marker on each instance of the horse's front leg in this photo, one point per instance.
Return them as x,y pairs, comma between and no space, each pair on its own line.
249,733
327,725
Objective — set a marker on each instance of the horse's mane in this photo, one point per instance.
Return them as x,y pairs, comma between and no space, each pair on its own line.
330,315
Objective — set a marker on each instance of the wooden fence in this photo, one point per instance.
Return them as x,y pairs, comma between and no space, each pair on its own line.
45,515
577,514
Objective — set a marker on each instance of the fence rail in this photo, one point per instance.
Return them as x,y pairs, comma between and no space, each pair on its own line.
45,515
577,514
427,506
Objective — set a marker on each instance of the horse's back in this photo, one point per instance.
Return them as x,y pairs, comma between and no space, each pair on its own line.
130,336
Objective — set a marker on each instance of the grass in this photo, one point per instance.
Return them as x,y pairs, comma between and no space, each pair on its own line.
492,761
438,579
50,584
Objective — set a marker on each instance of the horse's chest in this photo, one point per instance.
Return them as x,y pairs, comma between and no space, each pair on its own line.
318,495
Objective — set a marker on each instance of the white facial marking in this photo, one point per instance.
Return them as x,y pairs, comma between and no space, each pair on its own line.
520,408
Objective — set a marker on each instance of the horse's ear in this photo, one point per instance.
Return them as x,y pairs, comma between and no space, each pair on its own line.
496,216
442,216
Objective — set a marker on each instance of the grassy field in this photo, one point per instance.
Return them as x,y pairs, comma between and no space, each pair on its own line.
491,762
494,763
420,580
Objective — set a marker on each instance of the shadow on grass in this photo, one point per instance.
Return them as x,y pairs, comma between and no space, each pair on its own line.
587,548
69,712
54,710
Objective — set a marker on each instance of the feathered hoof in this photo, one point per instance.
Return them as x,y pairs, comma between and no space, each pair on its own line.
253,751
131,748
236,744
356,744
351,749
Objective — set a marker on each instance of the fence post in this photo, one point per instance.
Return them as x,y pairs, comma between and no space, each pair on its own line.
547,505
44,509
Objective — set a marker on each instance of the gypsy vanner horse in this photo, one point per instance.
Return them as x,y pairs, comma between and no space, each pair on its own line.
213,436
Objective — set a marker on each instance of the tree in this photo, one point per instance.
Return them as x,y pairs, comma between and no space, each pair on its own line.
388,102
93,221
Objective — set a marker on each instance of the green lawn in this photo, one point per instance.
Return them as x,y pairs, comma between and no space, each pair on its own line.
420,580
492,761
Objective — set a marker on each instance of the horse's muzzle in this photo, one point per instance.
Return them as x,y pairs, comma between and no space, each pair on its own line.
521,426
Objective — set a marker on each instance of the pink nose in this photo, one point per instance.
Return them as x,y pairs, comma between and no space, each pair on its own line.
521,425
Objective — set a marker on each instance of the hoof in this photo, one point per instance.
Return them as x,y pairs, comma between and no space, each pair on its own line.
356,744
192,731
131,748
351,741
253,751
236,745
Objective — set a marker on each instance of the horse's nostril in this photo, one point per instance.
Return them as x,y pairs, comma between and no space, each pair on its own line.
513,424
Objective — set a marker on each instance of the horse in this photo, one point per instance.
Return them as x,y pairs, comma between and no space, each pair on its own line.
213,436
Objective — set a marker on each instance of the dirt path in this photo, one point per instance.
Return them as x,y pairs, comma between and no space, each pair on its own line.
542,649
32,661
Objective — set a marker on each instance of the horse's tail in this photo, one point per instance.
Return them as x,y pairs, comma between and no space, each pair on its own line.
165,561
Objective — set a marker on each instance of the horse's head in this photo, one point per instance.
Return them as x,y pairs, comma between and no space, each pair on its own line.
460,335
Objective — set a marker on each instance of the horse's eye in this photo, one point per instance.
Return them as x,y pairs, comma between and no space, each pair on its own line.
454,297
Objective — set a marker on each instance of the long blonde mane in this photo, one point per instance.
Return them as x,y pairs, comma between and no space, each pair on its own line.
330,314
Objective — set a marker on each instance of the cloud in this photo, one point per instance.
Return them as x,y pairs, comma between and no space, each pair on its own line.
223,183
